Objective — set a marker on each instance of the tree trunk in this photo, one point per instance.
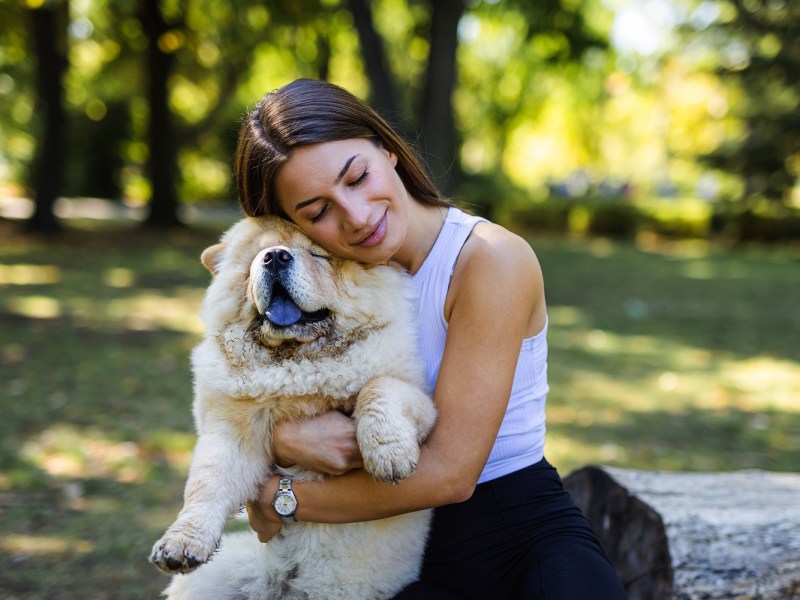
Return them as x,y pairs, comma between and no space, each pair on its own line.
436,109
162,157
686,536
383,94
49,34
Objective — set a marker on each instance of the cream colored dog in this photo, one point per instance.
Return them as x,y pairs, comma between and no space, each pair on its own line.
292,332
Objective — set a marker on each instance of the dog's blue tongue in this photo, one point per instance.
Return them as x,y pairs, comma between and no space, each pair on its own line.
282,311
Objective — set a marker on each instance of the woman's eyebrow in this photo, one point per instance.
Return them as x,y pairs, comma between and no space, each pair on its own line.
345,167
341,174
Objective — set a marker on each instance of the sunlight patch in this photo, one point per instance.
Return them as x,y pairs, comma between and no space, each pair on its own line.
29,274
119,278
569,453
597,339
777,380
668,381
37,545
35,307
564,316
148,312
64,451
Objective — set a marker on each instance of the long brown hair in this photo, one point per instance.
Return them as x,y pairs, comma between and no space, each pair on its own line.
310,111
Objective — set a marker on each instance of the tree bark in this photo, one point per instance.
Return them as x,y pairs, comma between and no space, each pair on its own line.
696,535
49,35
163,155
436,110
383,93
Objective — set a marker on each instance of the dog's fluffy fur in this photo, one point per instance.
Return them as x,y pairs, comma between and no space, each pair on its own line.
353,349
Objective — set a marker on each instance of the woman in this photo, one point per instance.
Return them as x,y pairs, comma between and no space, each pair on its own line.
503,525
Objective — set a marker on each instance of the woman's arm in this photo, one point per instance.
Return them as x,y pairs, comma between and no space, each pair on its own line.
496,299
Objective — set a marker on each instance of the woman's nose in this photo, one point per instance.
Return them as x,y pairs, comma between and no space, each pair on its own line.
355,213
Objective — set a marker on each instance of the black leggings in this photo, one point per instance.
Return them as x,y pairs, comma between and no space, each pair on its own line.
518,536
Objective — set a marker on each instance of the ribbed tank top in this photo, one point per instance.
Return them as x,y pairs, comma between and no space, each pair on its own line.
520,441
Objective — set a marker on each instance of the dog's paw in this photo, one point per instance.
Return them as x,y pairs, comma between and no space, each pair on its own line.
176,553
389,456
390,425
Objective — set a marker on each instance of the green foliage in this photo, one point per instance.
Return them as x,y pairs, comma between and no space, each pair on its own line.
676,218
510,55
755,47
625,218
603,217
541,93
17,125
762,221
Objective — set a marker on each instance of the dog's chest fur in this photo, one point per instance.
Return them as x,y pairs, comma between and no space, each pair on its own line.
258,385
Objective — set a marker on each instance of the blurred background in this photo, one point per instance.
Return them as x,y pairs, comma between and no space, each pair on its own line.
648,149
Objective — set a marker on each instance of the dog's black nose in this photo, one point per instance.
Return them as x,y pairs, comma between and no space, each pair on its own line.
277,259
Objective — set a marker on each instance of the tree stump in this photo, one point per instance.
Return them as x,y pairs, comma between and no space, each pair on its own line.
696,535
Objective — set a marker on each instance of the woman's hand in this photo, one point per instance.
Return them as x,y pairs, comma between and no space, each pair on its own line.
263,518
325,444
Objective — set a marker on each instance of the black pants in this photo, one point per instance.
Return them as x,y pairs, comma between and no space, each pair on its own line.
519,536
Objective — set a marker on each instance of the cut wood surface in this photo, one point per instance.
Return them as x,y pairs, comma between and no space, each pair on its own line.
696,535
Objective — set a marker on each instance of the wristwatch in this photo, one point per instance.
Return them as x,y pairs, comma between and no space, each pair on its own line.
285,502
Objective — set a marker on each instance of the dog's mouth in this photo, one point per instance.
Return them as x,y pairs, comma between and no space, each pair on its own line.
284,312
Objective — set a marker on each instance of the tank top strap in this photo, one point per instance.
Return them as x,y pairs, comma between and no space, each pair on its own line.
441,261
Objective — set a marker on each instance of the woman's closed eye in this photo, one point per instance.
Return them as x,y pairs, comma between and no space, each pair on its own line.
360,179
320,214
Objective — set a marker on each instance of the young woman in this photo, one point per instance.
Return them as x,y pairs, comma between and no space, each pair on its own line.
503,525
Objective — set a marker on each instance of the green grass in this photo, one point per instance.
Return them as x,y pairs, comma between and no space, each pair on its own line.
680,357
683,358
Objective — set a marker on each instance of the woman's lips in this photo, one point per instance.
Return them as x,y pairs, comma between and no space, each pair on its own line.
376,236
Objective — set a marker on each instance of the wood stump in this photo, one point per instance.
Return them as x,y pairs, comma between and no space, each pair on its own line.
696,535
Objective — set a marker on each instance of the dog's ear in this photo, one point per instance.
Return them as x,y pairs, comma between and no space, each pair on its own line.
212,256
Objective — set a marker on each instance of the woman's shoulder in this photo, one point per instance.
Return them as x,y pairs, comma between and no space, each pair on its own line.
494,245
492,260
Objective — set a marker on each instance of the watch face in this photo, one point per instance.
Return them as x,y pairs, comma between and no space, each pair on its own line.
285,505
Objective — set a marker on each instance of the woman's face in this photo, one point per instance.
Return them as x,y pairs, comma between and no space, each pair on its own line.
347,197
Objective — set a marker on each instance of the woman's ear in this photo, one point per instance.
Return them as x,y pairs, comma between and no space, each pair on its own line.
212,257
392,156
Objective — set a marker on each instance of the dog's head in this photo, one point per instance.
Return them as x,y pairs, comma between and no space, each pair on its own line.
271,277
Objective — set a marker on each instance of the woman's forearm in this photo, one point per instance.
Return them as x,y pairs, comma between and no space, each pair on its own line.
357,497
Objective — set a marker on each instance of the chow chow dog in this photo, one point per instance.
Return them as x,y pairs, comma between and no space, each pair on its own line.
292,332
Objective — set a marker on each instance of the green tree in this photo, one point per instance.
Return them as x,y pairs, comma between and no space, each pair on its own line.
49,41
757,44
156,87
514,56
431,109
162,157
17,123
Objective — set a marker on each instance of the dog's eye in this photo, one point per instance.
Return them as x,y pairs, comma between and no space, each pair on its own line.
322,256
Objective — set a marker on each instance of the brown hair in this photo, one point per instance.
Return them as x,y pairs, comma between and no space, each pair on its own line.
310,111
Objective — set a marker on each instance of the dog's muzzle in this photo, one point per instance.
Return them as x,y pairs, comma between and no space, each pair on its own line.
282,310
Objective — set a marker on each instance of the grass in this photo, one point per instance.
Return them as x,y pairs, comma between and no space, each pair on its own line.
679,356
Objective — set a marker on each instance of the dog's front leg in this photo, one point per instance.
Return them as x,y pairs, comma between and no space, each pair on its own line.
393,418
222,477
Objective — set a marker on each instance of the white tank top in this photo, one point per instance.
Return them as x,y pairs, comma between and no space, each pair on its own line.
520,441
